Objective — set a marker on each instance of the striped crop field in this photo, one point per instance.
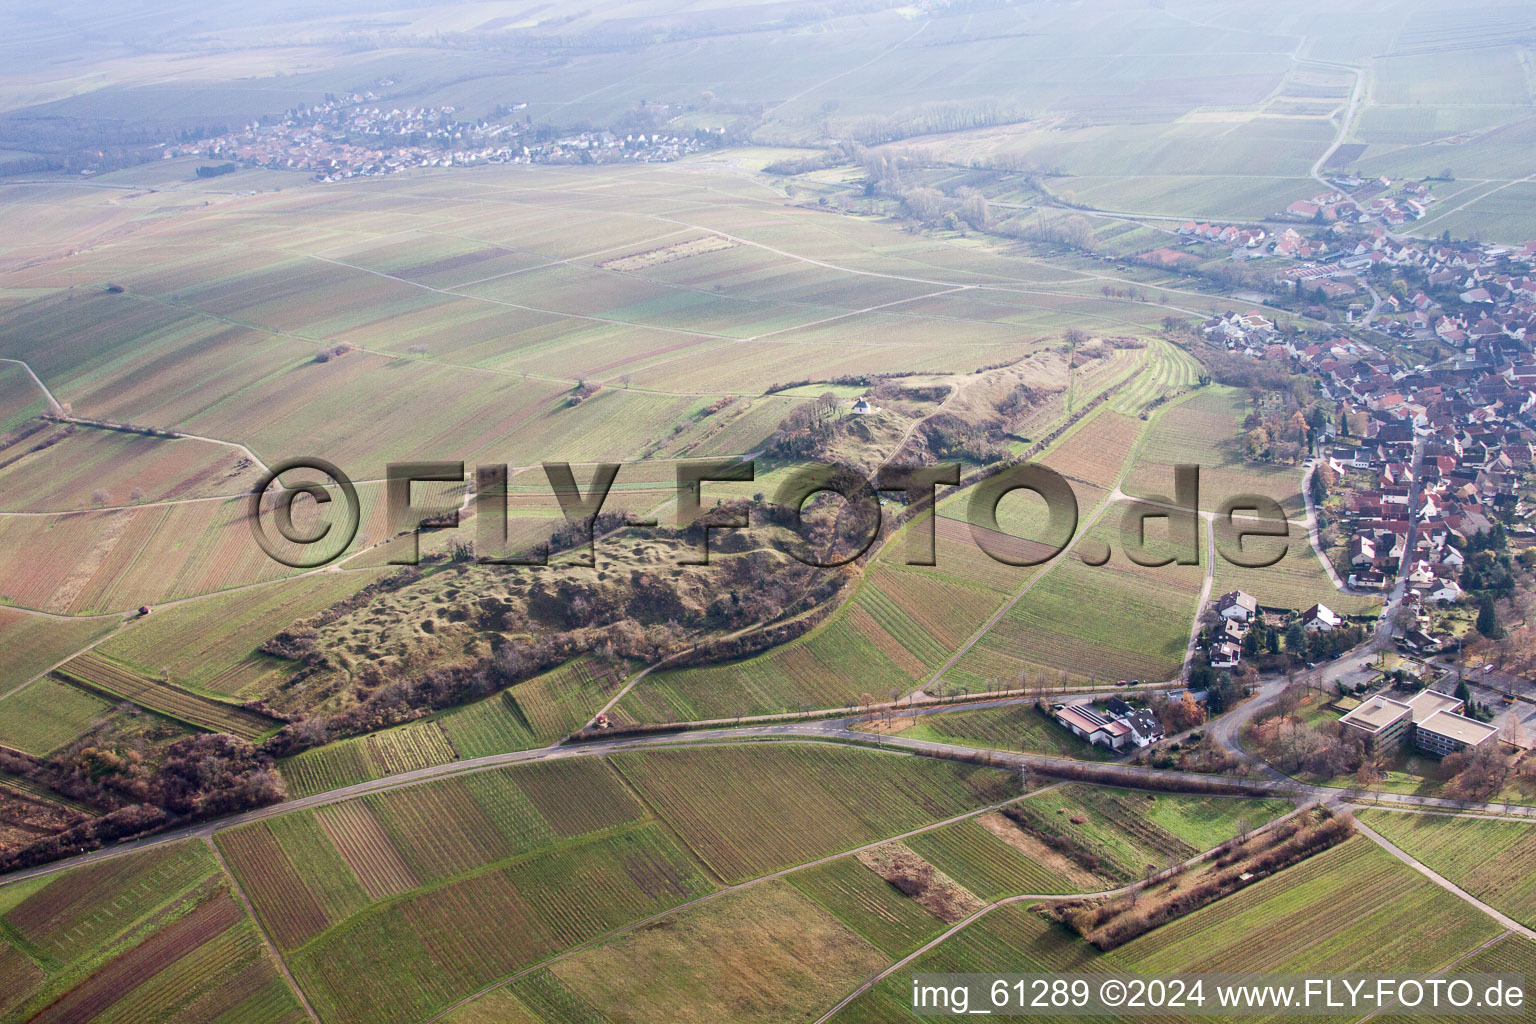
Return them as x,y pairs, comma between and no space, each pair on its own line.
33,644
100,675
290,865
1127,830
533,713
983,863
444,943
896,630
1513,954
1013,939
747,811
365,758
1205,430
1493,860
48,714
157,935
1353,908
695,968
1169,370
868,904
1096,449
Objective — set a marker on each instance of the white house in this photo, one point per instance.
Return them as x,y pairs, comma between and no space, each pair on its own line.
1445,592
1237,606
1319,619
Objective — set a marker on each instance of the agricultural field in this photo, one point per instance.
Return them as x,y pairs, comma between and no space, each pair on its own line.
1298,580
533,713
940,207
1013,939
904,621
92,467
102,676
19,398
1489,859
471,873
1352,908
1171,370
1514,954
365,758
48,714
34,644
896,630
984,864
1070,625
786,805
1125,830
764,954
211,645
1013,727
868,904
155,936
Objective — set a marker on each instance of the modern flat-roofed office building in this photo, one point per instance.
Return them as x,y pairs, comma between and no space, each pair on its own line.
1429,720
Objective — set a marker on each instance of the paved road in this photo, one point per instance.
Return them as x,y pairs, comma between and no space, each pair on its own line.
1443,882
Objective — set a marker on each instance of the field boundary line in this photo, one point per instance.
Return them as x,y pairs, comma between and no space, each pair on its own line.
728,889
1005,901
662,820
1444,970
261,929
1440,880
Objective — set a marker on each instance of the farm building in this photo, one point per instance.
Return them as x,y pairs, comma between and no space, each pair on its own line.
1428,720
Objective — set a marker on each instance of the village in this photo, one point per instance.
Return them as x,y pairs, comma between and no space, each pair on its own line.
355,136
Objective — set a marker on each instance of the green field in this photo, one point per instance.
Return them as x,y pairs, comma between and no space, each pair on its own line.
48,714
1126,830
764,954
157,936
1353,908
533,713
211,645
475,870
34,644
364,758
1015,727
1349,909
1489,859
783,805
